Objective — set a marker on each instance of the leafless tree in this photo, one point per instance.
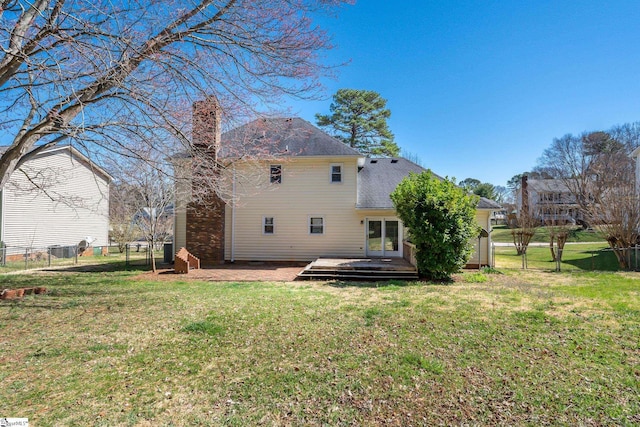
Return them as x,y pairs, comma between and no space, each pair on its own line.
99,73
527,224
526,220
122,209
598,170
146,193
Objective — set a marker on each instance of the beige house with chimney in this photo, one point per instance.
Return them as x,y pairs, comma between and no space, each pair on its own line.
294,193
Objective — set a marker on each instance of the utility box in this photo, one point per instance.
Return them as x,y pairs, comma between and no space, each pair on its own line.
168,253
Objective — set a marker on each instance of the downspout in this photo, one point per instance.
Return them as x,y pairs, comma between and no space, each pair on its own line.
233,216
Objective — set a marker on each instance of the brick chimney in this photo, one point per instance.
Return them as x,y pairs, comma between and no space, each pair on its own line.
206,126
205,215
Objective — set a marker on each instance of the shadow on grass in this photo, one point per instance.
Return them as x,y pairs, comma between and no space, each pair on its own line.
84,281
602,260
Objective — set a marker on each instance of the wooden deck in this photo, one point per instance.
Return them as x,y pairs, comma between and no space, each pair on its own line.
359,269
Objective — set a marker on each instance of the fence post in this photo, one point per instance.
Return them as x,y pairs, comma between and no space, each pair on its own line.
49,255
26,258
76,247
126,256
493,255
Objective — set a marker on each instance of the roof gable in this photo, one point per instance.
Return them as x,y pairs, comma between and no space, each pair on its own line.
81,158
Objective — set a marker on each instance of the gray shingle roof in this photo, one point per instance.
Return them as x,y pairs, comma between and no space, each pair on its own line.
485,203
281,137
379,177
550,185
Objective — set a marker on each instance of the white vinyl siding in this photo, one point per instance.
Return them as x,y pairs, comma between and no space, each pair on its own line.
305,191
183,197
73,205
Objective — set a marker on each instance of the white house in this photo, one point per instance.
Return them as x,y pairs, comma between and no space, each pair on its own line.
548,201
58,197
312,196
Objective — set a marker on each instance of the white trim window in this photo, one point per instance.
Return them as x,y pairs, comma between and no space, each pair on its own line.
316,224
268,225
335,173
275,174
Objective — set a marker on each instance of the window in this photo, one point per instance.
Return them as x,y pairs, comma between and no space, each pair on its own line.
268,225
275,172
336,173
316,225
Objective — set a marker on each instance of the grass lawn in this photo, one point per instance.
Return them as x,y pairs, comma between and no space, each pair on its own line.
575,257
530,348
113,257
502,234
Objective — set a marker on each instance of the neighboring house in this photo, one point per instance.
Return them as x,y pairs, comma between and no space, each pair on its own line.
303,195
548,201
58,197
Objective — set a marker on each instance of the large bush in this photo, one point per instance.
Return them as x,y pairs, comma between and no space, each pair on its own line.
441,219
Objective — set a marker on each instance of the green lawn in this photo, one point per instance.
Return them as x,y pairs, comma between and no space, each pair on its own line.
575,257
42,261
502,234
511,349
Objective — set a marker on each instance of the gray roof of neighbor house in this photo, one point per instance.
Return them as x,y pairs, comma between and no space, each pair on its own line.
379,177
548,185
281,137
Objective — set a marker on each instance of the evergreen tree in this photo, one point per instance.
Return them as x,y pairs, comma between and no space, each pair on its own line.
359,119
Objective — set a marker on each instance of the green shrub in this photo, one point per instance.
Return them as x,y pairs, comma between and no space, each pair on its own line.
441,219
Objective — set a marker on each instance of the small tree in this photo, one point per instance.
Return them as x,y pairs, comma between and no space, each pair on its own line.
146,194
359,119
527,224
441,219
122,229
597,169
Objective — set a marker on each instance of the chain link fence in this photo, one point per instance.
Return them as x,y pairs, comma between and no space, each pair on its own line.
135,255
574,257
14,258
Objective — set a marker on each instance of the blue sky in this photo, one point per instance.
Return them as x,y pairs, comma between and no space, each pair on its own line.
480,88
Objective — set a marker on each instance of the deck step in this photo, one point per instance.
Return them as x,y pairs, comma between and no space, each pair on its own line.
359,273
359,269
355,274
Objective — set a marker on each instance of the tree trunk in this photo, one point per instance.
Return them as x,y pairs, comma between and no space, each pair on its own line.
552,238
150,247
